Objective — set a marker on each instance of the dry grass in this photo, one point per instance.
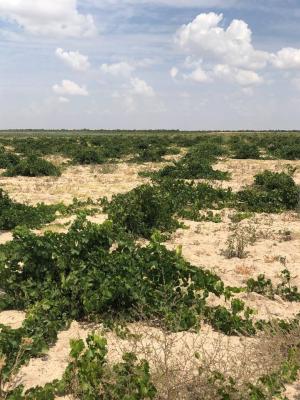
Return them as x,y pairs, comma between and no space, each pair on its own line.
183,364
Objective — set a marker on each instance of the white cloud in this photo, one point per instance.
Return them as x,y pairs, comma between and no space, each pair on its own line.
287,58
198,75
62,99
69,88
174,72
227,53
240,76
74,59
205,38
48,17
140,87
173,3
137,94
246,78
122,69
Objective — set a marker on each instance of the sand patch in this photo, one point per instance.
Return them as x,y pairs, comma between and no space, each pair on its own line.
151,344
13,319
5,237
243,171
82,182
203,244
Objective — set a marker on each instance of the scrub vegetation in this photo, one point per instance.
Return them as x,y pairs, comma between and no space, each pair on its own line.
121,273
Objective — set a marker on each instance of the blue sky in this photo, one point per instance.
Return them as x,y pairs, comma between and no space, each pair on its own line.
137,64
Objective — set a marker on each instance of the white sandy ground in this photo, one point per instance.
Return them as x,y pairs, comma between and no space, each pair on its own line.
293,391
243,171
202,244
165,352
152,344
13,319
81,182
5,237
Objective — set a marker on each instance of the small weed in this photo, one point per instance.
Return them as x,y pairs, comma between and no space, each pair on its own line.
238,241
284,289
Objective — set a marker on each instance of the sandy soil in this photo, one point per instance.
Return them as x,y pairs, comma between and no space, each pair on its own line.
77,181
276,245
243,171
5,237
13,319
293,391
151,344
203,244
276,238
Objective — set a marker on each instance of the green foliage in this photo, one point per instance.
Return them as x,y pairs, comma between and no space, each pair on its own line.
197,164
113,283
192,169
33,166
150,154
90,377
261,285
269,386
237,319
153,207
97,272
284,289
194,215
141,211
244,150
13,214
272,192
88,155
8,159
117,144
288,152
240,216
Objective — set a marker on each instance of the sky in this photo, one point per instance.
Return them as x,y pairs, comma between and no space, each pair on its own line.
150,64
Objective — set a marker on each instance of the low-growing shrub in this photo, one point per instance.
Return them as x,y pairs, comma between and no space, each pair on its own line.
33,166
288,152
13,214
89,376
284,289
271,192
261,285
196,164
240,216
153,207
246,151
97,272
150,154
89,155
194,214
232,321
192,169
141,211
8,159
